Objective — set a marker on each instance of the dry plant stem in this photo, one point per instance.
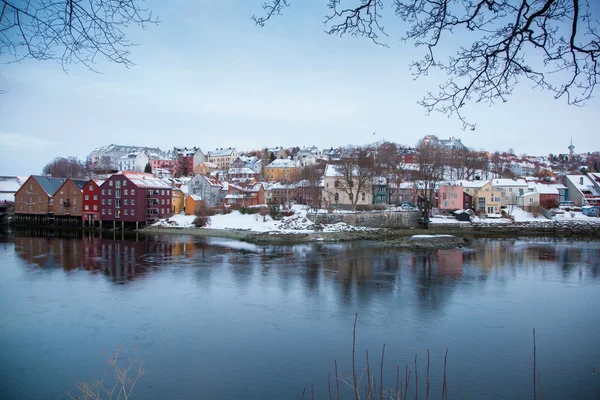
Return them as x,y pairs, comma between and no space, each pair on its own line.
370,389
353,350
381,373
337,380
416,380
303,390
427,378
406,382
534,389
444,381
397,377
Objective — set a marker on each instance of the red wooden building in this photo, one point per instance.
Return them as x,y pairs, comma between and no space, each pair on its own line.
134,197
91,202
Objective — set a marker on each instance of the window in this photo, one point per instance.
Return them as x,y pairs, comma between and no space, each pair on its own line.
117,213
125,211
95,208
133,202
103,202
61,209
336,184
337,197
118,193
168,201
162,192
86,208
163,202
95,197
103,211
125,191
109,202
444,196
103,192
125,183
91,188
86,197
22,199
132,212
74,210
363,196
132,192
109,211
117,184
125,202
110,183
75,200
110,192
531,199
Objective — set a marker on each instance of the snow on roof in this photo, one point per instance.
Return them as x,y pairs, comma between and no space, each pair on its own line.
576,180
331,170
208,164
280,163
195,197
466,184
244,170
509,182
234,196
547,188
222,152
144,180
9,184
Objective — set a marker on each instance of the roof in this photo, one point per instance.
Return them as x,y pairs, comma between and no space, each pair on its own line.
80,183
577,179
222,152
244,170
195,197
543,188
466,184
208,164
509,182
10,184
332,170
49,183
144,180
280,163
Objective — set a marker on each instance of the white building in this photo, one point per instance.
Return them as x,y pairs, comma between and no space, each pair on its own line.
134,161
223,157
110,156
333,195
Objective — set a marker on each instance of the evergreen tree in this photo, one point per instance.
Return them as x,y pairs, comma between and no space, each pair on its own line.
148,168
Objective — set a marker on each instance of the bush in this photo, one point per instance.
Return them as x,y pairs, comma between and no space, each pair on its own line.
287,213
200,221
275,212
248,210
549,204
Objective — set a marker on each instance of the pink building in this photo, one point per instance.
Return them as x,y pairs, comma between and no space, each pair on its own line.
453,197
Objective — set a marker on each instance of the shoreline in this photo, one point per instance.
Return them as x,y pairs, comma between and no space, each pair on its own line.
579,230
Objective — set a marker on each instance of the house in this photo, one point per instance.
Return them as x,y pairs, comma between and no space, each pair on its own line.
591,211
163,161
510,189
446,144
223,157
134,197
205,168
235,195
187,159
177,200
279,193
9,185
309,193
381,193
241,174
550,193
68,199
522,168
529,199
452,197
193,204
487,199
34,197
333,193
136,161
278,152
91,202
281,170
108,157
582,191
207,188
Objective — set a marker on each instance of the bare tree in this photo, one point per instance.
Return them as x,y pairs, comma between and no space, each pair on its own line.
62,167
309,185
388,162
69,31
356,173
431,158
505,41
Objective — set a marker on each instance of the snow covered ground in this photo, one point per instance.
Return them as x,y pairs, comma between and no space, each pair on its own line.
297,223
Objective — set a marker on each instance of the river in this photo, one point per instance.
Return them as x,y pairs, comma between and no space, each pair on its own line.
220,319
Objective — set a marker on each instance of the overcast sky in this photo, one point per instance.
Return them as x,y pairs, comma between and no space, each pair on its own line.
207,76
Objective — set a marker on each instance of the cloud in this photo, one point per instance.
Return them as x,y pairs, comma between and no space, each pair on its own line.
19,141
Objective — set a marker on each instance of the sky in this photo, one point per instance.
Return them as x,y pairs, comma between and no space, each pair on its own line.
207,76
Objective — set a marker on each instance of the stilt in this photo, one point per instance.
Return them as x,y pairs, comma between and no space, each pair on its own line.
114,225
123,225
136,225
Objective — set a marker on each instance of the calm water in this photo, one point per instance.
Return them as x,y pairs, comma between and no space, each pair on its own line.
219,319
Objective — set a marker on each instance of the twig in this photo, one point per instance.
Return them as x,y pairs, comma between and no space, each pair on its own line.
444,381
337,380
427,378
381,374
397,377
534,374
406,382
370,392
303,390
353,350
416,380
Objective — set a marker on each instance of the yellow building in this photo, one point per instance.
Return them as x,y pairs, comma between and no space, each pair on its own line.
282,171
193,204
177,200
488,199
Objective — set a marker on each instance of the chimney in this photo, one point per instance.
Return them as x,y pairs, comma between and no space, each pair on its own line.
581,180
48,176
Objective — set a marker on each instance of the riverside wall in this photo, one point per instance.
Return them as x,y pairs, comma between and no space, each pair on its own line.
370,219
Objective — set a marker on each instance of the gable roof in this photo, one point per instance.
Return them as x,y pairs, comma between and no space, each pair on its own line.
48,183
281,163
222,152
144,180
